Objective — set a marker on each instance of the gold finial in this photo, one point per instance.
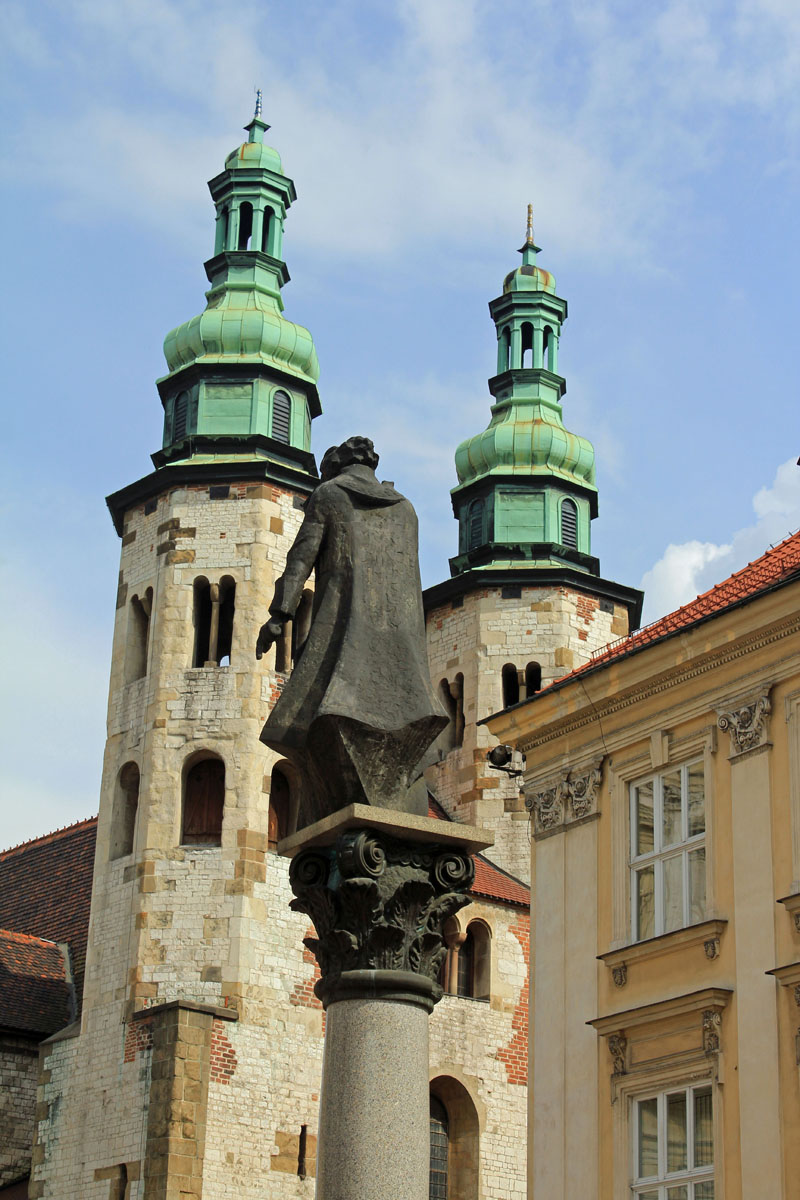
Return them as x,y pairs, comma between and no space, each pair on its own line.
529,234
257,113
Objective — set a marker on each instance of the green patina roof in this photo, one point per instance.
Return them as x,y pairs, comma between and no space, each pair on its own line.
254,155
523,440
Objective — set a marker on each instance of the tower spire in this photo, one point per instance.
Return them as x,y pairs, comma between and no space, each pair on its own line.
529,249
529,231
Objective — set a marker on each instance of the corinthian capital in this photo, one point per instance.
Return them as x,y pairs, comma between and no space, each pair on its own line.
748,725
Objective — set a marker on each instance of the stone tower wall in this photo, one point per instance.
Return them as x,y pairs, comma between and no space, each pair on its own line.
477,635
196,1067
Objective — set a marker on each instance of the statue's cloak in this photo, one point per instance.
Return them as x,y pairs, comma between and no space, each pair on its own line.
363,669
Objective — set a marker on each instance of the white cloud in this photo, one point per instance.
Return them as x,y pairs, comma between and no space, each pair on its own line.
442,133
686,570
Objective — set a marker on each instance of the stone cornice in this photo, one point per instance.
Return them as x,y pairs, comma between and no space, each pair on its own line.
706,934
792,906
701,1001
663,682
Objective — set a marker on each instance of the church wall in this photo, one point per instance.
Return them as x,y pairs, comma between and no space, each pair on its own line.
19,1068
556,627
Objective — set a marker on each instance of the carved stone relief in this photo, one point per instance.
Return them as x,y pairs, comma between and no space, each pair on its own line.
568,800
620,974
712,1024
618,1048
711,947
747,726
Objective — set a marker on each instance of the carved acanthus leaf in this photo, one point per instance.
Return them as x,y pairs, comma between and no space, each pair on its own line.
747,725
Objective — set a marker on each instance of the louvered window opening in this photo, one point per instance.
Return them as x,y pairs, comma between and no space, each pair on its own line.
476,524
569,524
438,1162
281,412
181,413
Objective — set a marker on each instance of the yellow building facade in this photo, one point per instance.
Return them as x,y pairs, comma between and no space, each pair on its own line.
663,784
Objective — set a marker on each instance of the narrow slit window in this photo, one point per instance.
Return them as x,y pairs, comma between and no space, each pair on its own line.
437,1189
279,804
281,416
466,966
533,678
227,610
265,229
527,345
202,622
138,636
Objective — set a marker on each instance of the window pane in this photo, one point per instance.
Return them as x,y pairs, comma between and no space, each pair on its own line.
650,1194
648,1137
645,903
703,1131
678,1193
704,1191
697,801
697,885
438,1160
671,809
643,840
677,1147
673,892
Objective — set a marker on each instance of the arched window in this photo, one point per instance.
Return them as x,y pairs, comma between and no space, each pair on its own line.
466,964
203,803
180,416
527,344
462,1132
505,349
123,813
245,225
213,612
440,1146
475,525
569,524
281,416
481,940
138,633
265,229
533,678
547,348
510,685
227,607
222,232
279,805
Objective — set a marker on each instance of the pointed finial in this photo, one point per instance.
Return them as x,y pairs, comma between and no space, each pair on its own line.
529,233
257,113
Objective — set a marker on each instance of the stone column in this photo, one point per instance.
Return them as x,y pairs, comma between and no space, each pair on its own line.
379,899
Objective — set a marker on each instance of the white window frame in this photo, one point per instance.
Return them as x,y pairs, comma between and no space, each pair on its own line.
664,1180
659,854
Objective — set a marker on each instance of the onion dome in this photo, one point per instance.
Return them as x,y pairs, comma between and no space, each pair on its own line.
526,491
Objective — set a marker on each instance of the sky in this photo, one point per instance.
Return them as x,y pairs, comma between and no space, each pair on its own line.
660,146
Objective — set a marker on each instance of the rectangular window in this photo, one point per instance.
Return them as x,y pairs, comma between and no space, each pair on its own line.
668,852
673,1146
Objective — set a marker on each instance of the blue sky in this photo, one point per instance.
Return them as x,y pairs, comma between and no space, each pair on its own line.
659,144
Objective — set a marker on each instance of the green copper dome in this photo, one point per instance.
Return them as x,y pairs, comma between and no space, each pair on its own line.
526,491
254,154
243,325
527,439
242,378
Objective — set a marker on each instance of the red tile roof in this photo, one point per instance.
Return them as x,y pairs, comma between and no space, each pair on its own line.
46,889
491,881
36,995
779,564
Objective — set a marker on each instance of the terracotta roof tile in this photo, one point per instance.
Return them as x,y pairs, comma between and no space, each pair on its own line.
35,992
46,889
491,881
777,565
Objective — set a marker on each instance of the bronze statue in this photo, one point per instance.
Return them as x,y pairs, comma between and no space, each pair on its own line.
358,711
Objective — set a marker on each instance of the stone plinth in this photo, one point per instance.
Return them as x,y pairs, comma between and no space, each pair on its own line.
379,887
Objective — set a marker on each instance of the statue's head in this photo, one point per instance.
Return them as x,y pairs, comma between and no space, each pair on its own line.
356,451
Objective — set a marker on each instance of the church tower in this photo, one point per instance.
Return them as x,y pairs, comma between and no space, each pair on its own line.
526,602
194,957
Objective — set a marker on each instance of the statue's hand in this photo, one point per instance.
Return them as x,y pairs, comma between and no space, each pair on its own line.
267,636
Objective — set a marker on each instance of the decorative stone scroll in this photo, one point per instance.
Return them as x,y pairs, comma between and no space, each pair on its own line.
620,974
569,800
379,904
712,1025
618,1049
748,725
